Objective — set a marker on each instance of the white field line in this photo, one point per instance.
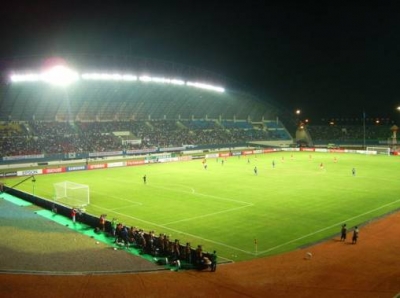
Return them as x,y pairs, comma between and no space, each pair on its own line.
119,198
326,228
174,230
124,207
248,204
206,215
192,191
204,195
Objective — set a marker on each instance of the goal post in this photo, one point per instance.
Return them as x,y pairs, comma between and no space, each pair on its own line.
378,150
71,194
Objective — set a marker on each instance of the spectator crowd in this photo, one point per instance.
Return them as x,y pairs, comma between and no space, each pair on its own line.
35,137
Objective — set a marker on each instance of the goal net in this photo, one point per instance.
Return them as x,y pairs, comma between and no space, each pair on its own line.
71,194
378,150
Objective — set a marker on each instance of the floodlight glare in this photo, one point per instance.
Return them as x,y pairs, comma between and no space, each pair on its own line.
129,77
160,80
145,78
63,76
59,75
205,86
116,77
25,78
177,82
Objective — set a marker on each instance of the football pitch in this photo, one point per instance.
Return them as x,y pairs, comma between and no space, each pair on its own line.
289,203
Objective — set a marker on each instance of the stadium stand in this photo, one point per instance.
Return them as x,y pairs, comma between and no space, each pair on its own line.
349,134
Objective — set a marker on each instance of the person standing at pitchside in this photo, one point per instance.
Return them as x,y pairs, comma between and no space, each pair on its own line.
355,235
343,233
73,215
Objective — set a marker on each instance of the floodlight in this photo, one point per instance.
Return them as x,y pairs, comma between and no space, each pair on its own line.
128,77
116,77
145,78
63,76
205,86
25,78
177,82
160,80
59,75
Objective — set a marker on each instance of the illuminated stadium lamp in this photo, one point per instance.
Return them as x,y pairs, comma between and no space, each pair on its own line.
95,76
160,80
128,77
145,79
25,78
60,75
105,77
116,77
177,82
108,77
88,76
205,86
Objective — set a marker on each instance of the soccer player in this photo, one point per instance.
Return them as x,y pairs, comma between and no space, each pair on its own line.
144,179
355,235
213,261
353,171
255,170
343,233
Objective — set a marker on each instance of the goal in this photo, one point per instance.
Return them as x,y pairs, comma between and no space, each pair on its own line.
71,194
378,150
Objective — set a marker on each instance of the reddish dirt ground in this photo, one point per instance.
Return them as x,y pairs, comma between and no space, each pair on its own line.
370,268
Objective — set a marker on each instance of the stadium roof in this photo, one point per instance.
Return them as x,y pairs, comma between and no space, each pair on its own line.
104,94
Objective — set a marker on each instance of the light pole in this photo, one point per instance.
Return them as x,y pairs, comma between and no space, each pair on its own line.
298,112
298,127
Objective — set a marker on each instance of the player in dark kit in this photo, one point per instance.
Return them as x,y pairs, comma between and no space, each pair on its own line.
355,235
343,233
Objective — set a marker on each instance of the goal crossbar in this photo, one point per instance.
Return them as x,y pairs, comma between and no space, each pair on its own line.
379,150
71,194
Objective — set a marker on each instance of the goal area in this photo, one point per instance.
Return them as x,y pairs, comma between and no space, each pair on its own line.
378,150
71,194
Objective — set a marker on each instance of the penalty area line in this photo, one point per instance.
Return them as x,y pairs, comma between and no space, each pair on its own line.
121,199
206,215
176,231
326,228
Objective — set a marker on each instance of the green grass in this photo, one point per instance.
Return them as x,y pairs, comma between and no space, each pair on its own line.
227,206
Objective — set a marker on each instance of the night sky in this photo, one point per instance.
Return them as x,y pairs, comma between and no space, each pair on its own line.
335,59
